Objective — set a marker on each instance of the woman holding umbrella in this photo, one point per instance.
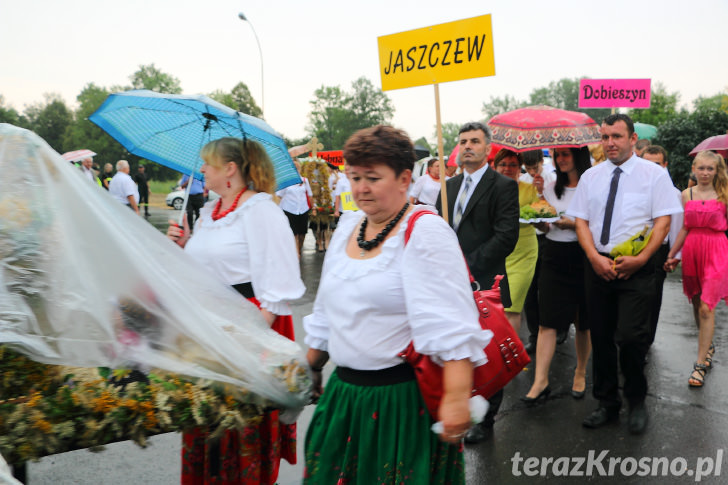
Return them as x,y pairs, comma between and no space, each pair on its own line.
244,238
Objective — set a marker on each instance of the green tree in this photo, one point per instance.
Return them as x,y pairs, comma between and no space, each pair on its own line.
663,106
498,105
682,132
152,78
450,137
718,102
292,142
238,99
84,134
564,94
49,119
8,114
369,105
337,114
330,119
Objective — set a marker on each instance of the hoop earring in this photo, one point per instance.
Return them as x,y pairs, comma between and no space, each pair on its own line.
228,184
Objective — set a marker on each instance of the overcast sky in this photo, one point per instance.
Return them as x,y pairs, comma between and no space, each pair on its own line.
60,46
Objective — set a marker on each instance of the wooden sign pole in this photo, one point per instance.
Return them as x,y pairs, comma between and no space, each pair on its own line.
440,149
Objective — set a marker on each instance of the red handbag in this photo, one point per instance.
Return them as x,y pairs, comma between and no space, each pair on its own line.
505,352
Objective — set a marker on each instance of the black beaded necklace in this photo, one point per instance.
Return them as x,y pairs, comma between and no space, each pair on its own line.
373,243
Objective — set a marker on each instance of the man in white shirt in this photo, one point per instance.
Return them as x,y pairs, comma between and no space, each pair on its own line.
87,169
123,188
657,154
614,201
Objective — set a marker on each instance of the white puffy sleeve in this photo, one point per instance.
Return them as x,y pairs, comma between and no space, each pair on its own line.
274,267
316,325
417,188
442,313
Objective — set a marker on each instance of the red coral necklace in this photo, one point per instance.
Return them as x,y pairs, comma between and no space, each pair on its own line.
216,211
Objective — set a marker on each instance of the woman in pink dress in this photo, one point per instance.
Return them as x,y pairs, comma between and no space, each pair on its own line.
705,253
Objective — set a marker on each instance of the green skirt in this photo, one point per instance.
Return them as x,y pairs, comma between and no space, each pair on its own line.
377,434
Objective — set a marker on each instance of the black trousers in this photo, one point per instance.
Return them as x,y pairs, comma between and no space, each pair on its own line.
144,201
619,315
194,204
660,257
530,306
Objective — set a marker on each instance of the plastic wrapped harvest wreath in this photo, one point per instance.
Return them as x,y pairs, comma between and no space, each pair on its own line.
85,282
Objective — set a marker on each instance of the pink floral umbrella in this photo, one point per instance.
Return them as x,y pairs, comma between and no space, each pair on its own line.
537,127
78,155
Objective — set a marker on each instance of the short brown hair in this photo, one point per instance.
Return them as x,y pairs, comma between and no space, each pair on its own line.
505,153
380,144
642,143
656,150
532,157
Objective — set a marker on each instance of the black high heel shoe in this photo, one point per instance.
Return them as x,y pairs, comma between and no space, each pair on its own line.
542,396
578,394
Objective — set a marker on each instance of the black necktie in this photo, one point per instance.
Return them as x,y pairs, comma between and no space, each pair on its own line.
610,206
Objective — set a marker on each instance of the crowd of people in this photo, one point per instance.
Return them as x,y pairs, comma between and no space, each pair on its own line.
379,291
133,192
612,298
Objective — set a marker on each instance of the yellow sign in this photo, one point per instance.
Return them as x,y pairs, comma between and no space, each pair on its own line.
347,202
446,52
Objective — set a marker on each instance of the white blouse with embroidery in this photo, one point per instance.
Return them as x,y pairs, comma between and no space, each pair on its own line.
367,311
254,243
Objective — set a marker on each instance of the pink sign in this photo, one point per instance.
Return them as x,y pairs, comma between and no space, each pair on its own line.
614,93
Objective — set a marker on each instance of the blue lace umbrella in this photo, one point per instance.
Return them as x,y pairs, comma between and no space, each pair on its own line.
170,129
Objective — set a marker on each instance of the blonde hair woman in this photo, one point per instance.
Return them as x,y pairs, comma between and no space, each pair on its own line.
245,239
704,253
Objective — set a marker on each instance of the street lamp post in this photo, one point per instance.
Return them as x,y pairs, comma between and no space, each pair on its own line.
242,17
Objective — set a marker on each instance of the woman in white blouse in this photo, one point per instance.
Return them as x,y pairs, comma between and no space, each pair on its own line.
245,239
427,187
295,204
561,296
375,296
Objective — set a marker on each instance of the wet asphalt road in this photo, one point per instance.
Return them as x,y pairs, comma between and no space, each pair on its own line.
686,439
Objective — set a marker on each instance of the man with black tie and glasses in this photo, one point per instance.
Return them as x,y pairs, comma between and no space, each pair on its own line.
614,201
483,208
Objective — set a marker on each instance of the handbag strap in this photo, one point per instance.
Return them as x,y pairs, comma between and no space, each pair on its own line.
408,232
411,225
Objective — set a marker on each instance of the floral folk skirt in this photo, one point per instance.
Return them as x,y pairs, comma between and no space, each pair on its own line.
251,456
377,434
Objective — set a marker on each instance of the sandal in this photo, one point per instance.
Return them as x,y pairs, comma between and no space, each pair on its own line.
709,356
697,377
